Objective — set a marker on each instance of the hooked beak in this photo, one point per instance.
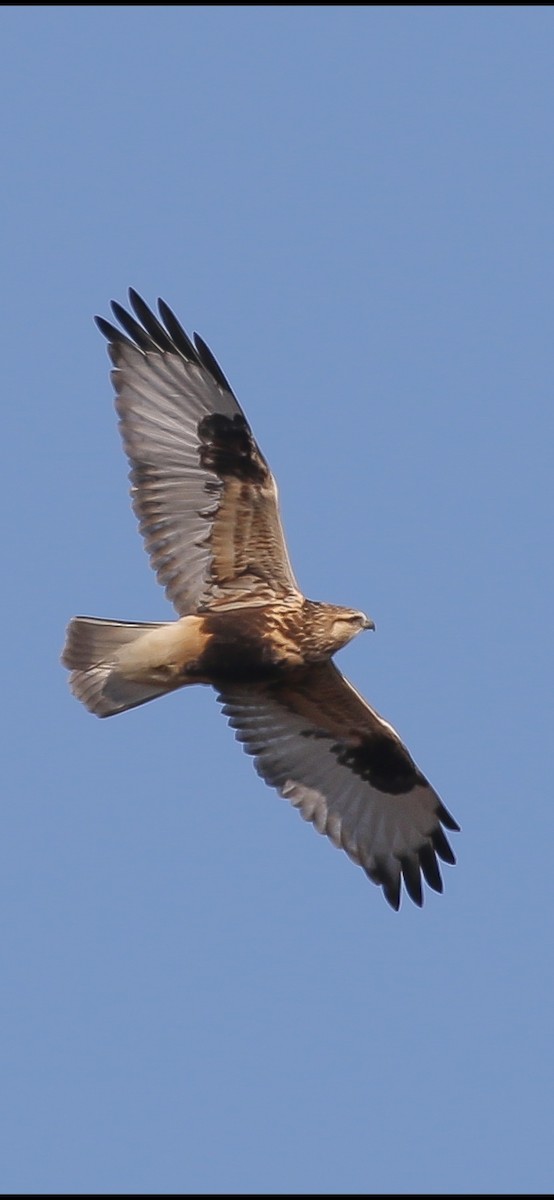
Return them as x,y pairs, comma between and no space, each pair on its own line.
368,623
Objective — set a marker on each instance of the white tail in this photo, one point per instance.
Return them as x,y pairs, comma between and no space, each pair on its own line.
91,653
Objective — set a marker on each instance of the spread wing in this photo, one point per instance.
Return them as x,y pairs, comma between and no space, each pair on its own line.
204,496
317,741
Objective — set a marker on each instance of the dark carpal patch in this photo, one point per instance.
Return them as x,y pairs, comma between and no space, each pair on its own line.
228,448
382,761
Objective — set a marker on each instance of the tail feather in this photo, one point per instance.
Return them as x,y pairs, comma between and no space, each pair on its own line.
91,654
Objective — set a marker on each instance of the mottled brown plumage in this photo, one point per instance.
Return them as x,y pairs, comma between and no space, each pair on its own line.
207,508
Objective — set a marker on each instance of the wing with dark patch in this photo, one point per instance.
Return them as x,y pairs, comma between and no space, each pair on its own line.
317,741
204,496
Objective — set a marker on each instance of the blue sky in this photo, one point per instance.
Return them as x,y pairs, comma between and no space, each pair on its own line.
353,206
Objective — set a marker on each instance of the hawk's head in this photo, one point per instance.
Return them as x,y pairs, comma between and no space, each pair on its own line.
334,627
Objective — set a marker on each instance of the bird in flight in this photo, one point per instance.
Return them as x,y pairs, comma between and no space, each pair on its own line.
207,508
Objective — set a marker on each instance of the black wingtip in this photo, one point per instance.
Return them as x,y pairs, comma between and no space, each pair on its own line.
149,321
106,328
144,331
447,819
392,895
430,867
133,328
442,846
176,332
411,875
112,334
207,359
390,884
136,300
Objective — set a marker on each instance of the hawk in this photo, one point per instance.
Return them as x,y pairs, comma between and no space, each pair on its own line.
207,508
